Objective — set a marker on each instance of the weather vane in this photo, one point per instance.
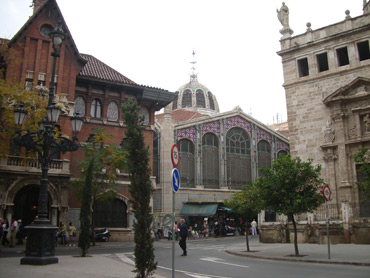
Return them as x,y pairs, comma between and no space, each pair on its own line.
193,75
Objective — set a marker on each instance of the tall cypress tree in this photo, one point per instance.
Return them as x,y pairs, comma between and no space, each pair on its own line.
140,189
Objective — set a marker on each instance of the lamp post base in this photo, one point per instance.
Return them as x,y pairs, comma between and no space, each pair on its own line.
40,246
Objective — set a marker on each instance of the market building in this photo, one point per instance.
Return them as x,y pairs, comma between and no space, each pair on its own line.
219,154
327,86
86,85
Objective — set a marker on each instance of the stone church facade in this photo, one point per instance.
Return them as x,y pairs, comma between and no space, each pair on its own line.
327,86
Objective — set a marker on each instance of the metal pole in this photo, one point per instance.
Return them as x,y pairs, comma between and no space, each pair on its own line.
173,234
327,227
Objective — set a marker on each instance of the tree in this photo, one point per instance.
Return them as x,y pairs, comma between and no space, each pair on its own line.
140,189
291,187
13,95
363,157
246,203
84,238
104,162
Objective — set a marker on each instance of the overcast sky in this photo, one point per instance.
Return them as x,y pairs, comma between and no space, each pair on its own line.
151,42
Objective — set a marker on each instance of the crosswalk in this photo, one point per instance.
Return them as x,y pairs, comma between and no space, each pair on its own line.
189,245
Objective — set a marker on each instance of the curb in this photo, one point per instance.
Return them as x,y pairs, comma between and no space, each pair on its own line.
296,260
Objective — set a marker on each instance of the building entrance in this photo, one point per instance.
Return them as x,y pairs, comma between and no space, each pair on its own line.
26,203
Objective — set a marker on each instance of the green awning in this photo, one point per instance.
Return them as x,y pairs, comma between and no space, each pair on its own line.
198,209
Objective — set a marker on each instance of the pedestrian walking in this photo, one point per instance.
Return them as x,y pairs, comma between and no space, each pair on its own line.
13,232
254,227
72,233
5,232
183,236
20,233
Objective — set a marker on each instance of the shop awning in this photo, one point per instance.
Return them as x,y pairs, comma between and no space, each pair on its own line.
198,209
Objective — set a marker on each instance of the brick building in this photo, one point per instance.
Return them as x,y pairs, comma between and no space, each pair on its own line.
85,85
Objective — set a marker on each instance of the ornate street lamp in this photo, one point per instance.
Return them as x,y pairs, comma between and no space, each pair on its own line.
40,247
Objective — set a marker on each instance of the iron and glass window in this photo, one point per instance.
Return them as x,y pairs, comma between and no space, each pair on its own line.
282,153
186,99
201,102
211,102
96,108
111,213
238,155
264,155
210,161
187,161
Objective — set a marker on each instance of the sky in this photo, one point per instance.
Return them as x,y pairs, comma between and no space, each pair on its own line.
151,42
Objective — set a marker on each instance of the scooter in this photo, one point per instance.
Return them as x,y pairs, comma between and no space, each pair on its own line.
102,235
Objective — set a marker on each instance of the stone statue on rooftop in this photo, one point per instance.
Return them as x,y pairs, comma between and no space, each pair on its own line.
283,15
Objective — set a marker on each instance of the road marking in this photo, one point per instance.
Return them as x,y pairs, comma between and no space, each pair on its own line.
124,258
220,261
193,274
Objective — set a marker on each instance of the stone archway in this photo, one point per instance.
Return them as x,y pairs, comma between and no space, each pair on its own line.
22,199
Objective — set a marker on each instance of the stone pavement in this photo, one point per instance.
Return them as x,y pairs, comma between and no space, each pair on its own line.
114,265
352,254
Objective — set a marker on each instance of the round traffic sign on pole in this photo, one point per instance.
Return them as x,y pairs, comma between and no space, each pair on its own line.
326,192
175,155
175,179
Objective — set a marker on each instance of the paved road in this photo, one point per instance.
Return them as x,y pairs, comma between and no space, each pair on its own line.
207,259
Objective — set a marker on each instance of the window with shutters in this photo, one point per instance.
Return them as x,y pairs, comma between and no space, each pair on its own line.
186,165
238,155
96,108
210,161
264,155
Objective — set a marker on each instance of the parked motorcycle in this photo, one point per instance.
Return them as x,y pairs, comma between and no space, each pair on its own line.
102,235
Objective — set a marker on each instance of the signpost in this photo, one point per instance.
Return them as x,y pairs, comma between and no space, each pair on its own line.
327,194
175,181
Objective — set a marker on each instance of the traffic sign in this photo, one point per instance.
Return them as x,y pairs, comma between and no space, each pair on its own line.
175,179
326,192
175,155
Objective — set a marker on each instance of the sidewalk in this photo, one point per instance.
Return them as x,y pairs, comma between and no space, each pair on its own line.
95,266
351,254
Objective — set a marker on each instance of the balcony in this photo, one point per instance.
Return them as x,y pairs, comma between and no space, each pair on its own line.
32,165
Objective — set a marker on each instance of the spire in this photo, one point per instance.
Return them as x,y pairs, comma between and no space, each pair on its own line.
193,75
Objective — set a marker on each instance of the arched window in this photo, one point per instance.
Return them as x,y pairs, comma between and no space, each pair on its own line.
210,161
95,111
110,214
186,166
201,102
211,102
264,155
186,99
156,156
238,155
80,106
112,113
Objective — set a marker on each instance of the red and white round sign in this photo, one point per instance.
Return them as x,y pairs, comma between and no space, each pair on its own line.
175,155
326,192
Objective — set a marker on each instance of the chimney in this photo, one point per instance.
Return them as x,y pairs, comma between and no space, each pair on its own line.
36,4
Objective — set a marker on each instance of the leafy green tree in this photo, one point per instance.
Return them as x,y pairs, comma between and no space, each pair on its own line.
104,162
140,189
363,157
246,203
291,187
